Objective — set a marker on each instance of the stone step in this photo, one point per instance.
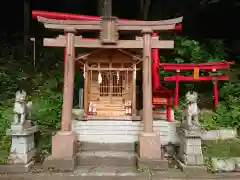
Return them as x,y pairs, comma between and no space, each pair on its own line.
107,104
92,146
107,158
114,105
94,171
110,109
110,113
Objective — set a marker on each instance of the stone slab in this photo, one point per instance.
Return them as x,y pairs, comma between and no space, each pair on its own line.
107,158
62,164
189,132
191,170
96,171
16,168
24,132
159,165
210,135
225,134
22,158
19,127
91,146
171,175
225,164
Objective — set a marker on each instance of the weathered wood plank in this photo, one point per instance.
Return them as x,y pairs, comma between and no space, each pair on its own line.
87,27
122,44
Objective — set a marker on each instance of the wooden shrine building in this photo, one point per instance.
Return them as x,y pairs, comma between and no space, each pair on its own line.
110,72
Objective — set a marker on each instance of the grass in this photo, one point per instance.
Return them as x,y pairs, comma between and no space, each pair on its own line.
224,149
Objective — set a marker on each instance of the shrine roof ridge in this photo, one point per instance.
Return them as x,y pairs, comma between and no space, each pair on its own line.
122,25
121,22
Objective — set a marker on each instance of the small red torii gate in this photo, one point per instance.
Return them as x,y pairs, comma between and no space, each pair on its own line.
213,76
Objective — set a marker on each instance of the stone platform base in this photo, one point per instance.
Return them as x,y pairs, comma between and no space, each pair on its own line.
158,165
192,170
16,168
67,164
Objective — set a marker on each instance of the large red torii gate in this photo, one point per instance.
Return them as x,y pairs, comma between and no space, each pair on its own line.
213,76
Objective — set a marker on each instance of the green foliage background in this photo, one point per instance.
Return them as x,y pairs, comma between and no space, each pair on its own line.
43,85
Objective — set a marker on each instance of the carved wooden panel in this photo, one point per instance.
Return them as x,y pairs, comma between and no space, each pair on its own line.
109,32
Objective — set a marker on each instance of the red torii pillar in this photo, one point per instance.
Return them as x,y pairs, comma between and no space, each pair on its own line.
158,90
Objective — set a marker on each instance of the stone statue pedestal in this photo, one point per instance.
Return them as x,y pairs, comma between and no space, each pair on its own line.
20,128
23,148
190,153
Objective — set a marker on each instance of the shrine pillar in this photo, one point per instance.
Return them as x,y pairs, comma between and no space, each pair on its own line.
64,142
134,105
149,145
147,81
68,89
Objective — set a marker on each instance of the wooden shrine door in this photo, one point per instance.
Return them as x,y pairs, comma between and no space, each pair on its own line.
110,95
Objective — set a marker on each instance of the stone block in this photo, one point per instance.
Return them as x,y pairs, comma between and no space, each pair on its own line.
24,132
227,134
223,165
91,146
19,127
22,158
189,159
106,158
237,164
190,132
210,135
192,170
221,134
193,141
16,168
63,164
197,149
150,146
188,149
22,144
64,145
22,149
199,159
192,149
153,164
193,160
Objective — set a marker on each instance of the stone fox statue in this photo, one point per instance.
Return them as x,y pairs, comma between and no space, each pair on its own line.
192,111
21,109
